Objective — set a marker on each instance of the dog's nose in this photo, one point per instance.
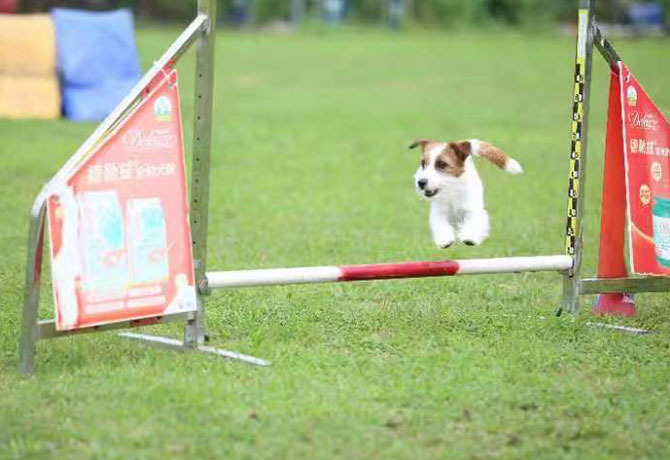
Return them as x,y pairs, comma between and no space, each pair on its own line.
422,183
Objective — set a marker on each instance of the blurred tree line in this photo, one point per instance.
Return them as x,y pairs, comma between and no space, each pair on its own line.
433,12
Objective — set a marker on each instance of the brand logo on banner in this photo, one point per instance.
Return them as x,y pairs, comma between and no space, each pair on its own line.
646,137
646,121
156,139
118,225
163,109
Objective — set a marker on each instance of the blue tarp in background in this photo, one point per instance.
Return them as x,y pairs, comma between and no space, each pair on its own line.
97,60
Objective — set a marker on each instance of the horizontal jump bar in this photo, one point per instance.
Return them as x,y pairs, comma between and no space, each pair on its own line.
332,274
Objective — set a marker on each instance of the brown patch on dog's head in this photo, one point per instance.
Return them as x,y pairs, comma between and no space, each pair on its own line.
426,147
463,149
453,155
452,159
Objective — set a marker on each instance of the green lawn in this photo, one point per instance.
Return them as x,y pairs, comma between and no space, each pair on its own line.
311,167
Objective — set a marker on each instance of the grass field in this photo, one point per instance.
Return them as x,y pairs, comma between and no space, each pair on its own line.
311,167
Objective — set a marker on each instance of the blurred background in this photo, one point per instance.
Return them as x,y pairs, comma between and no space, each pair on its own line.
78,58
436,13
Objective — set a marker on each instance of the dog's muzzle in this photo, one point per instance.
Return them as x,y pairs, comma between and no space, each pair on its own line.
421,184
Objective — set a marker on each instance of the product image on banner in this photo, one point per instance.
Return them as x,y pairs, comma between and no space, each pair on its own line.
148,247
118,223
103,241
661,225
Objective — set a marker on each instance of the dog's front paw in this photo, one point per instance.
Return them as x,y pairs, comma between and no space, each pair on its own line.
444,243
472,240
443,233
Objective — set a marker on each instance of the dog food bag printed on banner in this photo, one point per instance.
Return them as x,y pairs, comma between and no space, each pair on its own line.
103,242
148,248
646,136
118,225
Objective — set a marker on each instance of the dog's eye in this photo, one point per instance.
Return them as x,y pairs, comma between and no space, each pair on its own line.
423,163
439,164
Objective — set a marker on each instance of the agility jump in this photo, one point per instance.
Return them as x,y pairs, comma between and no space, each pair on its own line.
202,30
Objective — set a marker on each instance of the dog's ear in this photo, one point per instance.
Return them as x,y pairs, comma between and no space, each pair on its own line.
419,142
462,149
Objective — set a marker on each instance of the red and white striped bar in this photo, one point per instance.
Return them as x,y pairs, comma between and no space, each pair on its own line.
333,274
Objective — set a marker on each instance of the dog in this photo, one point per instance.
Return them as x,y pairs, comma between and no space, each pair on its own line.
447,177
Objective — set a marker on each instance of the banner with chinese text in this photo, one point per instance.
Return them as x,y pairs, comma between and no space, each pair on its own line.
646,139
118,225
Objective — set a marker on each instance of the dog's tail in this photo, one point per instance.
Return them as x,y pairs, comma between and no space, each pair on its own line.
496,156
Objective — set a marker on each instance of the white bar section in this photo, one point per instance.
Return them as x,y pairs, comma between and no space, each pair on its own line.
514,264
273,276
305,275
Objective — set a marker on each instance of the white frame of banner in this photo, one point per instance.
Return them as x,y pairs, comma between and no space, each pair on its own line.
202,29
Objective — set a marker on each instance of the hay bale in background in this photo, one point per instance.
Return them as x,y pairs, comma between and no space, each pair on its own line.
28,80
29,97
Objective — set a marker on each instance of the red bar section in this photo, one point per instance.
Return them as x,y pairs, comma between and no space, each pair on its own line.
399,270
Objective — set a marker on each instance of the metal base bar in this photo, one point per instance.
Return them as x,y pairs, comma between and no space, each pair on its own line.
623,285
179,345
624,329
47,328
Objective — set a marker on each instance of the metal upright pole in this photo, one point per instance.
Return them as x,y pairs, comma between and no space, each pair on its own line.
202,141
29,327
578,147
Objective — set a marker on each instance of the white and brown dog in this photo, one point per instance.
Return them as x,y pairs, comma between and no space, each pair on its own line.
447,177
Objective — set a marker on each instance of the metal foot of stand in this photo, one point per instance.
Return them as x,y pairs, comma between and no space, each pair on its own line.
175,344
624,329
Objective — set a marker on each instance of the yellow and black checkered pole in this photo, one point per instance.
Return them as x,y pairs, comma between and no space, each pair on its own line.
578,133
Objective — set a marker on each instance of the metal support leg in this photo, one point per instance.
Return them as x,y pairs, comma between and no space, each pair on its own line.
194,330
194,334
579,131
30,328
570,300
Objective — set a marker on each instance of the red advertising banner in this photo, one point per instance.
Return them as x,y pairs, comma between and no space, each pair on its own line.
118,225
646,140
